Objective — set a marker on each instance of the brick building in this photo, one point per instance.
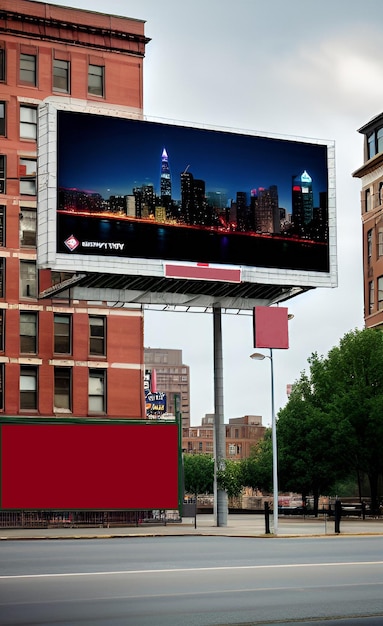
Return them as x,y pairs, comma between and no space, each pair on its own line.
173,377
242,433
59,356
371,175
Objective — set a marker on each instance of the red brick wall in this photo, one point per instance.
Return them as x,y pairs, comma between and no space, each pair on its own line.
122,57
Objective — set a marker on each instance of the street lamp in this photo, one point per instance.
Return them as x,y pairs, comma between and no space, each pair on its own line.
257,356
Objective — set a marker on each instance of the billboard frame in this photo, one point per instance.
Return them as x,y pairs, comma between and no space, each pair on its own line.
158,281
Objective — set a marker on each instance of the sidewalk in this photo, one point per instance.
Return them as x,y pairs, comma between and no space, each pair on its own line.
237,526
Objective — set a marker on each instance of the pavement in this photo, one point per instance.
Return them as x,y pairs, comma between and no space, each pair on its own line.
238,525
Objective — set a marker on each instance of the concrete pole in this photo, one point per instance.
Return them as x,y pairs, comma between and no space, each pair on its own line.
275,449
220,497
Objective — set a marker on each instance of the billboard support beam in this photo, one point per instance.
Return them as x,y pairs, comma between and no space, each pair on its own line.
220,496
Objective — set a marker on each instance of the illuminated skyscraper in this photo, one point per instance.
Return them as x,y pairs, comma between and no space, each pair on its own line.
302,202
166,181
266,210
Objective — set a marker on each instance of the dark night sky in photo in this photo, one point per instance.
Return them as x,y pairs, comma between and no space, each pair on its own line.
110,156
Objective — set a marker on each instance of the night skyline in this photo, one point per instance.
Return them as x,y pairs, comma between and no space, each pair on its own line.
128,155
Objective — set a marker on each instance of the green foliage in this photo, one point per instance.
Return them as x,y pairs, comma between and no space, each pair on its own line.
229,479
257,470
198,473
332,425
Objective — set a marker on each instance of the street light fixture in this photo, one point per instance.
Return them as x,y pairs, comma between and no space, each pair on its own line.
257,356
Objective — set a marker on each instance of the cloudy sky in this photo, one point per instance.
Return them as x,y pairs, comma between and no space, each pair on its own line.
301,68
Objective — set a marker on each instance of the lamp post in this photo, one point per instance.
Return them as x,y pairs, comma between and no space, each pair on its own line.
257,356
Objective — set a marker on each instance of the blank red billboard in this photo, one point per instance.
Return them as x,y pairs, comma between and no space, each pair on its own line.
89,466
271,327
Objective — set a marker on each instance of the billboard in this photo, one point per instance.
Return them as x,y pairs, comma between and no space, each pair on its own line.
73,466
160,199
155,403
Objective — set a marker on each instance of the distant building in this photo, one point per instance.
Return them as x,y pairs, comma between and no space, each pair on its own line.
172,377
371,175
242,433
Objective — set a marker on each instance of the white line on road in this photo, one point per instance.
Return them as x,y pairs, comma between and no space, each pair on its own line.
190,570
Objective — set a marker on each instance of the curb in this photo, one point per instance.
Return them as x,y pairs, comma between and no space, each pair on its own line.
197,534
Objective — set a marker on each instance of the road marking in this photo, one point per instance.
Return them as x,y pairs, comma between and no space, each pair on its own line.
189,569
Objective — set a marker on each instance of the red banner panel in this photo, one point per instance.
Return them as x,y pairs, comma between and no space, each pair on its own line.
89,466
201,272
271,327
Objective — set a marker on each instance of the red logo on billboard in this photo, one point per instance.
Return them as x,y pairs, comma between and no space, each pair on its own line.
72,243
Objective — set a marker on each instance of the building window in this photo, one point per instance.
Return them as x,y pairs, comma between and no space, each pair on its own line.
62,334
28,279
379,243
28,219
371,296
369,245
380,293
61,75
28,122
232,449
97,391
63,388
367,200
2,173
2,315
2,225
375,142
28,177
96,80
371,145
28,387
3,125
379,140
97,335
1,386
380,193
2,276
2,64
28,65
28,332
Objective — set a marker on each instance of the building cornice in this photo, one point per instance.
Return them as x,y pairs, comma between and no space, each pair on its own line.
370,166
71,33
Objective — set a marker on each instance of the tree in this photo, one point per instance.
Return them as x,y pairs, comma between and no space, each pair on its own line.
257,470
229,479
333,422
198,473
307,454
357,366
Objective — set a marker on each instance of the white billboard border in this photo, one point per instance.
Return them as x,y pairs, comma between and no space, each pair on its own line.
49,258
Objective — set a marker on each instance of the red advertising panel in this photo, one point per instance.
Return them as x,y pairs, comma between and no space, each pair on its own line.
271,327
89,466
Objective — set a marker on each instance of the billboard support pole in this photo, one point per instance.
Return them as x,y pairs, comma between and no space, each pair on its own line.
220,496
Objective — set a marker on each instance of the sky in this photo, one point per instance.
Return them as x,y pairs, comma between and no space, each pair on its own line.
302,69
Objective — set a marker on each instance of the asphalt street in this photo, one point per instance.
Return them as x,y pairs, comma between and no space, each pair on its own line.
192,580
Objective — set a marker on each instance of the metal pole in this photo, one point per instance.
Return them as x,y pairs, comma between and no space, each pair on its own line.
220,496
275,454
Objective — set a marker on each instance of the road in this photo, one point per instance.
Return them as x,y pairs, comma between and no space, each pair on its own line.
191,581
